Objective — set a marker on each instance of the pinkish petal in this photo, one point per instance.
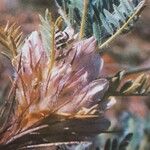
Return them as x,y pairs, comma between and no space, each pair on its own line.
87,97
87,58
33,49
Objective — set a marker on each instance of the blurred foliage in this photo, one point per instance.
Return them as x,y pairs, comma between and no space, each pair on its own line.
141,129
115,145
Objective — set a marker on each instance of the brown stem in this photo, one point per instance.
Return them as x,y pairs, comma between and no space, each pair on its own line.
26,132
118,94
137,70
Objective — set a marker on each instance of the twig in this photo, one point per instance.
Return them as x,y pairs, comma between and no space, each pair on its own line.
84,17
137,70
54,144
118,94
134,71
52,43
26,132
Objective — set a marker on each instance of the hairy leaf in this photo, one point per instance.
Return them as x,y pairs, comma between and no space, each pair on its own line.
45,30
106,19
10,38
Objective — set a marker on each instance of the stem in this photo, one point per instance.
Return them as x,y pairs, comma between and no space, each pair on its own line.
53,144
84,17
138,70
52,48
134,71
26,132
52,44
118,94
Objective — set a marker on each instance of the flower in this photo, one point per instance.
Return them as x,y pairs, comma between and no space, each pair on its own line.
71,85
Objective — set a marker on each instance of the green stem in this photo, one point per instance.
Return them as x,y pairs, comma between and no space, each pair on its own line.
84,17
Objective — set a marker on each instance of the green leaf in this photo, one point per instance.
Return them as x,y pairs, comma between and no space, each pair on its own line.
125,142
106,18
45,30
116,145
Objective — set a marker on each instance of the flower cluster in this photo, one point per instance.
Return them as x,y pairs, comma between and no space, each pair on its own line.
72,84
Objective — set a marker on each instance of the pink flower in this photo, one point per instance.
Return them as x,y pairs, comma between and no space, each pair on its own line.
72,84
